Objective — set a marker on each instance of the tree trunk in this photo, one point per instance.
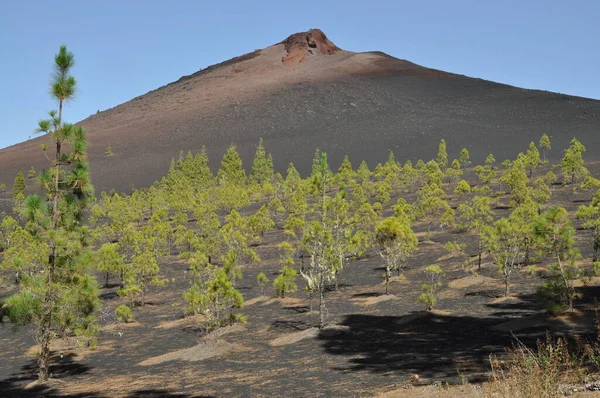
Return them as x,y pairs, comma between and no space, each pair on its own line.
106,281
479,261
46,323
387,280
506,286
321,308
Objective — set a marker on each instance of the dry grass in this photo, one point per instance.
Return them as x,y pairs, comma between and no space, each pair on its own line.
547,372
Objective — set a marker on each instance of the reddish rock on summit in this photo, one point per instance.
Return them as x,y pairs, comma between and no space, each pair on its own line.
301,45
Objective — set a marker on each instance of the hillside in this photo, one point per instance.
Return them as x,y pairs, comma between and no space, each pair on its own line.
306,92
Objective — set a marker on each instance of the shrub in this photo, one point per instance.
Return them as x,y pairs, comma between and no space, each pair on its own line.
262,282
124,314
428,297
285,283
540,373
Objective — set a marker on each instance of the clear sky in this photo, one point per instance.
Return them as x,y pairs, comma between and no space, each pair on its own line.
126,48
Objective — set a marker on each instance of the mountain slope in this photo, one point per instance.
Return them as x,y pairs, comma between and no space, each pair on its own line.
305,93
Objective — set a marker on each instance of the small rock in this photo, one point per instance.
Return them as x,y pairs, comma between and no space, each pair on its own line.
594,386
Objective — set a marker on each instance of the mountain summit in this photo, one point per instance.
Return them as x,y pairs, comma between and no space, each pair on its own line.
305,92
301,45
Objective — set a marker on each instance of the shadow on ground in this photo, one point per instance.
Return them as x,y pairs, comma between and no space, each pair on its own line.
427,343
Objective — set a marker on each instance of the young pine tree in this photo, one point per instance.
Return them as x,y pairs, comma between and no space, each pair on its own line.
262,168
232,171
63,296
397,242
442,155
19,187
572,163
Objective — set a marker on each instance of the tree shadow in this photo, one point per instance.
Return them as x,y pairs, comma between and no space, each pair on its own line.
300,309
61,366
430,344
109,296
368,294
291,325
487,293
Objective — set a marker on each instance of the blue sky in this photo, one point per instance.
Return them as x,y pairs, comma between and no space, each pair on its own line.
126,48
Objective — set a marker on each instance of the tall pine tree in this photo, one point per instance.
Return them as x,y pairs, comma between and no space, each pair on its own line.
62,296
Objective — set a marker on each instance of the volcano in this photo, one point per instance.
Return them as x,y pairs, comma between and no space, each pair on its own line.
304,93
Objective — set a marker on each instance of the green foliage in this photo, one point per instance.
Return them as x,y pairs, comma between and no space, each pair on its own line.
60,279
19,187
556,236
507,246
140,274
123,314
462,188
434,275
108,151
285,283
23,308
109,260
261,222
262,281
590,217
545,145
397,242
31,173
464,157
364,222
476,215
432,207
232,171
572,163
8,227
515,178
454,172
442,155
532,159
262,166
346,172
213,295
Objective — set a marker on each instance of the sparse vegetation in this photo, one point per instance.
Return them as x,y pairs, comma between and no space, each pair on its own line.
322,227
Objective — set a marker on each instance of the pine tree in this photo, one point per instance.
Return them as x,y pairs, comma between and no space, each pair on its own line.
316,162
345,171
572,162
318,240
464,158
232,171
261,222
476,215
57,222
545,145
397,242
532,159
19,187
434,275
590,216
262,166
556,236
442,155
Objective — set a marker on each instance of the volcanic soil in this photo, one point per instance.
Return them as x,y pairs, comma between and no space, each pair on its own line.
372,345
305,92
